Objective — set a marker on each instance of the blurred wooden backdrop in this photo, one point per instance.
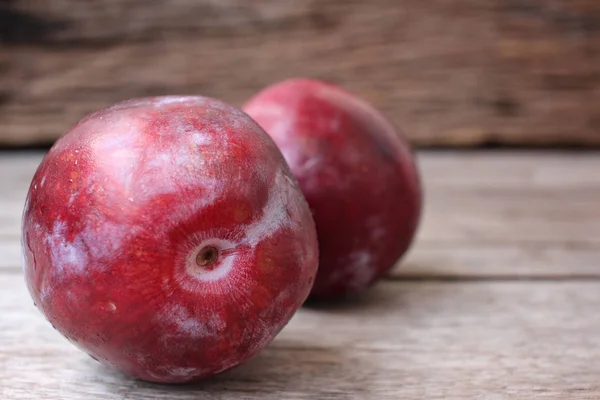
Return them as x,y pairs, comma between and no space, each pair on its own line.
451,72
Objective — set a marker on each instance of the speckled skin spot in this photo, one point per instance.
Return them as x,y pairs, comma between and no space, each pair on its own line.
117,213
357,173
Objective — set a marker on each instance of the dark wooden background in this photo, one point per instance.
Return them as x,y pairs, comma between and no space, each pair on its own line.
452,73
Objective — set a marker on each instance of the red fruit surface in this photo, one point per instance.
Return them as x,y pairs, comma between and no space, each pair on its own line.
167,237
357,173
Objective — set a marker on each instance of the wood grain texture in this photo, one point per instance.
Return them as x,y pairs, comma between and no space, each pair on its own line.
455,321
490,214
458,73
415,340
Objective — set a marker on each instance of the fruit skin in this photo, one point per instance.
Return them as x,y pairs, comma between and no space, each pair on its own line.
116,213
357,173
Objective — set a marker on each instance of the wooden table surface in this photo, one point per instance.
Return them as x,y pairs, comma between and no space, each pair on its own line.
499,299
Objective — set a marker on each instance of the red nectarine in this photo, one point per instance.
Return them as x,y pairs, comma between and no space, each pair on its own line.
358,175
167,237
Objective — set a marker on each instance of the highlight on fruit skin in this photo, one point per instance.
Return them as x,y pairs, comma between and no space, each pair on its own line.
167,237
357,172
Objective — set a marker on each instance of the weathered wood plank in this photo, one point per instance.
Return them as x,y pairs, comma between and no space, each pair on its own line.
469,218
492,214
447,170
431,260
499,261
511,170
10,255
523,217
405,340
464,72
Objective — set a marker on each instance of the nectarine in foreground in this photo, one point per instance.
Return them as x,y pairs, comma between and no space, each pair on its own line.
167,237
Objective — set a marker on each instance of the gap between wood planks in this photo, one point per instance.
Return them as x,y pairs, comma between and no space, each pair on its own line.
492,278
444,278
